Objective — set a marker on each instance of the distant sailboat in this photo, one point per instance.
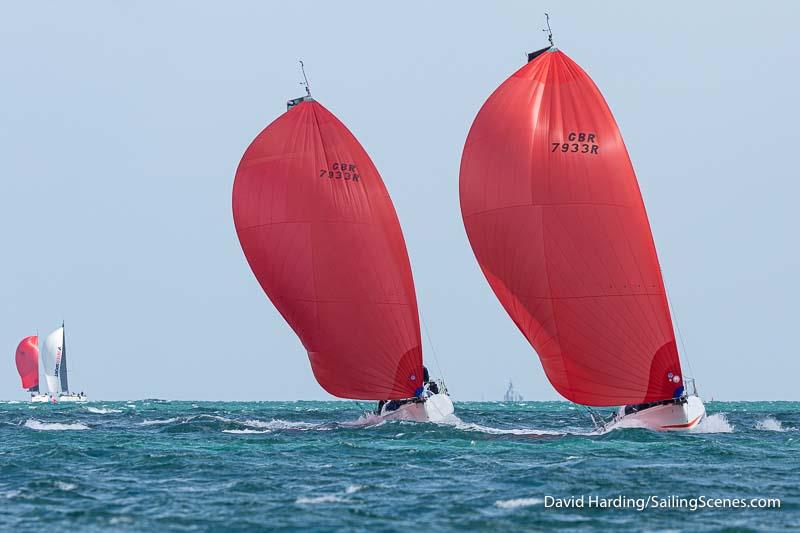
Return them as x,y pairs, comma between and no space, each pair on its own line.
54,358
321,235
555,218
512,395
27,359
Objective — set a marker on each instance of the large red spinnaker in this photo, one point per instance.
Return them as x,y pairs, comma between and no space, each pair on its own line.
322,237
27,359
555,217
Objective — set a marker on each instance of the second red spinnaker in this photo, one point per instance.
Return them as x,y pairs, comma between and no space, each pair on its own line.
555,217
27,359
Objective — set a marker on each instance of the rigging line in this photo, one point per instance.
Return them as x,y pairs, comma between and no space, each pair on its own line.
304,83
430,343
678,328
548,30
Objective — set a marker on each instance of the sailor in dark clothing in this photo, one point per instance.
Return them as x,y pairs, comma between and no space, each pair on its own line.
426,380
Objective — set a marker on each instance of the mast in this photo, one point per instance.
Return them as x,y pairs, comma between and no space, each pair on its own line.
38,365
63,366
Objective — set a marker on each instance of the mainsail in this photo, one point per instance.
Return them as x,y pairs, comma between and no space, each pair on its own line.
52,357
62,371
27,359
322,237
554,215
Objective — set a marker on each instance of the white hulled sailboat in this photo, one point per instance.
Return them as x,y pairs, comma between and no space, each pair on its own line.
54,358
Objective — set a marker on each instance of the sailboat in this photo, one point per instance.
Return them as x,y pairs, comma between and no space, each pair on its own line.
27,359
321,235
54,358
554,215
511,394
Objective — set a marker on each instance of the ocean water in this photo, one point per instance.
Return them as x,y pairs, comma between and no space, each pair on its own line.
157,465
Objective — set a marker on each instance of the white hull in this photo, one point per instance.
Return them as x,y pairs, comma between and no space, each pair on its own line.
72,398
434,408
670,417
61,398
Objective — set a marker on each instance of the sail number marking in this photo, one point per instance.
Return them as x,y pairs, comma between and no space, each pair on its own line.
579,143
340,171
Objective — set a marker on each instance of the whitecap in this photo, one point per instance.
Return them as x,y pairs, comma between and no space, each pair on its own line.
53,426
771,424
244,431
65,486
453,420
518,502
326,498
282,424
716,423
353,489
147,422
102,410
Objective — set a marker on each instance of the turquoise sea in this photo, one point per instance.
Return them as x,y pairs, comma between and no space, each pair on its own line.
157,465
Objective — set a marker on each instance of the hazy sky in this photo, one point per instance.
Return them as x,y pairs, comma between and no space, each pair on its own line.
122,124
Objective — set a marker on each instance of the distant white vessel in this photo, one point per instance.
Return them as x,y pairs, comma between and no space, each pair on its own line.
54,358
512,395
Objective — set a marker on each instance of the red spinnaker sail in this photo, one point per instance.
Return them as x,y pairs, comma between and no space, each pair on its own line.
554,215
28,361
321,234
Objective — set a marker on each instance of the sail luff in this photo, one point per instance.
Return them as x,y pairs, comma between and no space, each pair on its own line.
35,388
63,367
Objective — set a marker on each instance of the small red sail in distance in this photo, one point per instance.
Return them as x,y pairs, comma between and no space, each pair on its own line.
553,212
27,359
321,235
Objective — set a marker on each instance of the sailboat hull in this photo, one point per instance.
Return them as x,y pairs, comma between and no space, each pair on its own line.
40,398
670,417
72,398
435,408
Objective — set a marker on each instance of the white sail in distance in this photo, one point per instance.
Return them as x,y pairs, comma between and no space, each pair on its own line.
52,351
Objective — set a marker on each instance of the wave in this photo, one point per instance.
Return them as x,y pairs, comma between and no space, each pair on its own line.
147,422
277,424
54,426
716,423
457,423
245,431
771,424
518,502
102,410
329,498
365,420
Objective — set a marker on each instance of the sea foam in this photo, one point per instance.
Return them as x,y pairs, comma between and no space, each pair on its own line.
102,410
282,424
54,426
716,423
453,420
518,502
328,498
770,424
147,422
